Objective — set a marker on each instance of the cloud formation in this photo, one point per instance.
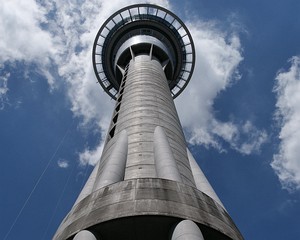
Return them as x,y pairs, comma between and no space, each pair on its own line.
62,163
23,37
286,162
57,36
218,55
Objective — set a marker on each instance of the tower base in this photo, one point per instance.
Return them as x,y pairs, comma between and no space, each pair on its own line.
147,208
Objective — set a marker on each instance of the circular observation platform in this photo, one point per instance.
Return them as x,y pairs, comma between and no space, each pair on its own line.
143,29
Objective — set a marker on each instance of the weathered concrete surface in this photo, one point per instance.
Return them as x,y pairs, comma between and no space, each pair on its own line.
144,103
187,230
149,196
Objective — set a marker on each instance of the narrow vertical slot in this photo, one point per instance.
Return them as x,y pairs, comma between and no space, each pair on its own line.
112,132
115,119
120,98
118,107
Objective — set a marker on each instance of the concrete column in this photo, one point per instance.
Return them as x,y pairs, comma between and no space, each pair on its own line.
84,235
145,103
201,181
114,168
187,230
165,163
88,187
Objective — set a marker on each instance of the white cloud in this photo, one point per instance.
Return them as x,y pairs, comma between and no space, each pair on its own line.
249,139
62,163
59,34
286,162
22,37
218,56
244,138
91,156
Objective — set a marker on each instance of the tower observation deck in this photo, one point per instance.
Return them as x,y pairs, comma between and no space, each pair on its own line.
147,184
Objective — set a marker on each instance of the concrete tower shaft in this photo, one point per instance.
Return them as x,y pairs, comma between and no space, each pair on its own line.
147,185
142,105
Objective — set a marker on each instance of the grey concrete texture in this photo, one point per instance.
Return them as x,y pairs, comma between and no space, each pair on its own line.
187,230
114,168
145,103
201,181
141,113
165,164
85,235
148,196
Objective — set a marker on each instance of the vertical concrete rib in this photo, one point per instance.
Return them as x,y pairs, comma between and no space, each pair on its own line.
84,235
187,230
201,181
114,168
165,163
88,187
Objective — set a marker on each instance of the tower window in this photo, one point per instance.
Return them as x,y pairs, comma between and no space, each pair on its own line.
120,98
112,132
118,107
115,118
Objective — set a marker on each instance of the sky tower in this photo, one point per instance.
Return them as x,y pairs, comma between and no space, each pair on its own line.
147,184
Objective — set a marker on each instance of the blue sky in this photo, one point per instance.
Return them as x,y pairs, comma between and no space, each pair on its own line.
240,112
